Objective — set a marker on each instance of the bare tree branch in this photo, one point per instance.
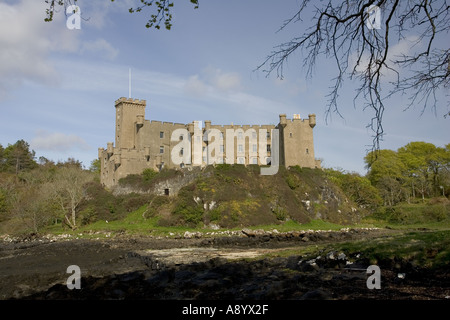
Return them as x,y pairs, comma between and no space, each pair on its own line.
339,30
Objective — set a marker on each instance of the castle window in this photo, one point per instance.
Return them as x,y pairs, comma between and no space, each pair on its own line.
307,151
240,136
161,134
221,148
255,160
221,135
290,134
253,135
181,151
255,148
161,149
268,148
240,148
268,134
181,138
268,161
241,160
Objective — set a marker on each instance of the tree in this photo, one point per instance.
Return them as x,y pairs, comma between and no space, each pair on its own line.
2,150
344,31
19,157
386,172
30,199
95,166
425,164
70,190
358,188
160,15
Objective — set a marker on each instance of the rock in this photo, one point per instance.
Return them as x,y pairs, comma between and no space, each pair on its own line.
342,256
401,275
330,255
252,233
190,235
316,295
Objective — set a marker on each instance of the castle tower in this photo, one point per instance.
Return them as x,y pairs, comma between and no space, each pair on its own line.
130,114
296,140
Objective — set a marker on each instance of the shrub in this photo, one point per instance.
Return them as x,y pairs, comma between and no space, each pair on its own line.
148,174
292,182
192,215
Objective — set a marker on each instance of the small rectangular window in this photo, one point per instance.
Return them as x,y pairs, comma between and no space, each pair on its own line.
255,148
240,148
268,148
161,149
161,134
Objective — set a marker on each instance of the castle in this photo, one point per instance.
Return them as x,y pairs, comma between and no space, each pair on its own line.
141,144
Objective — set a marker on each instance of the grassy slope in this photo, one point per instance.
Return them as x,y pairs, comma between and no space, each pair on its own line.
425,239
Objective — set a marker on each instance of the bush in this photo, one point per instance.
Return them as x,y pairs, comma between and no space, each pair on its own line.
414,214
87,216
148,174
292,182
192,215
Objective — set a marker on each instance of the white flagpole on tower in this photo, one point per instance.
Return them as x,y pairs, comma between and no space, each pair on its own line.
129,83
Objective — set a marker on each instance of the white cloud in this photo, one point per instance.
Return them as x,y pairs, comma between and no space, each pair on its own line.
213,80
57,142
100,47
26,42
195,87
228,81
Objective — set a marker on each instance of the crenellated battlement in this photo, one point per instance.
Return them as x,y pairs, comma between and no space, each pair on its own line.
130,100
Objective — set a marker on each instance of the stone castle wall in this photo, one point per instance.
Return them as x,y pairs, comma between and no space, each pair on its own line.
142,144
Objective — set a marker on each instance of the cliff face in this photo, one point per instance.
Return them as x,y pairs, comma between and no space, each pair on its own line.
237,195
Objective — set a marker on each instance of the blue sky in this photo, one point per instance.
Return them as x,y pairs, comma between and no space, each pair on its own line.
58,86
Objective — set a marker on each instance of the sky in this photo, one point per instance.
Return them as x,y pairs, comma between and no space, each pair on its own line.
58,86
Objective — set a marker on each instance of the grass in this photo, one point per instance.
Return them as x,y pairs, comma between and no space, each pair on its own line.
430,249
424,248
136,222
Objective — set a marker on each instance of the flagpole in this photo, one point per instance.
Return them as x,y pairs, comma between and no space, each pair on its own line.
129,83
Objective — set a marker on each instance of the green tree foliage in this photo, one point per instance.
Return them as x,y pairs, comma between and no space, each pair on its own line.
18,157
95,166
36,194
2,150
160,11
416,169
358,188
